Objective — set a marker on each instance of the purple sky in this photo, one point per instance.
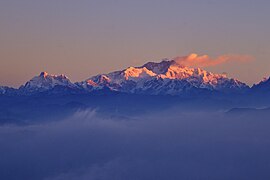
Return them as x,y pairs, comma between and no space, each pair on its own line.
87,37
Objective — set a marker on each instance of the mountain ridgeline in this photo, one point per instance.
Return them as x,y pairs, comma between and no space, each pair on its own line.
153,87
164,78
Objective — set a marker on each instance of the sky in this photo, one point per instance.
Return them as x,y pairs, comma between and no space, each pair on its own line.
87,37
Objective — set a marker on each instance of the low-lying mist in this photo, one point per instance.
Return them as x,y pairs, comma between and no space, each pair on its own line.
166,145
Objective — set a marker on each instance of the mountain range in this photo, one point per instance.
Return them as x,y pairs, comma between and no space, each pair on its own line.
150,88
167,77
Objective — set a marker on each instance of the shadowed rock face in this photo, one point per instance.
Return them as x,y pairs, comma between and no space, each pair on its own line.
4,90
264,85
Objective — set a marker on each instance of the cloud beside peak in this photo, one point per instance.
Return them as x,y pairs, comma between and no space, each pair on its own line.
195,60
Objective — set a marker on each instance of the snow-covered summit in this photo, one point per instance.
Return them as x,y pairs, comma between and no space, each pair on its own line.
165,77
46,81
169,77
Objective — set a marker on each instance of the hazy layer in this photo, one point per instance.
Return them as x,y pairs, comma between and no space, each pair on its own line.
168,145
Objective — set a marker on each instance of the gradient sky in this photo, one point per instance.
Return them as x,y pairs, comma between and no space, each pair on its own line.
86,37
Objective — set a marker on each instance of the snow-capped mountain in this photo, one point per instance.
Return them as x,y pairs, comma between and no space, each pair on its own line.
166,77
45,82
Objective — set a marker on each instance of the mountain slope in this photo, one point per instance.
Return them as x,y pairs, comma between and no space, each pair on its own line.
263,86
166,77
45,82
4,90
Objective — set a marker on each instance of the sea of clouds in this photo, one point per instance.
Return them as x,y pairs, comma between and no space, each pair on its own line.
167,145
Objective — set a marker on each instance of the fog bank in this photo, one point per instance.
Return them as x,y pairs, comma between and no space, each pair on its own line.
168,145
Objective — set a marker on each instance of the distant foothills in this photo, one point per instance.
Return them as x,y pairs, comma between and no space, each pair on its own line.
167,77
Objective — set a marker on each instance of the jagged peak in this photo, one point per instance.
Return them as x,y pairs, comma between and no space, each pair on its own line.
43,74
165,76
45,81
167,68
47,75
173,69
159,67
